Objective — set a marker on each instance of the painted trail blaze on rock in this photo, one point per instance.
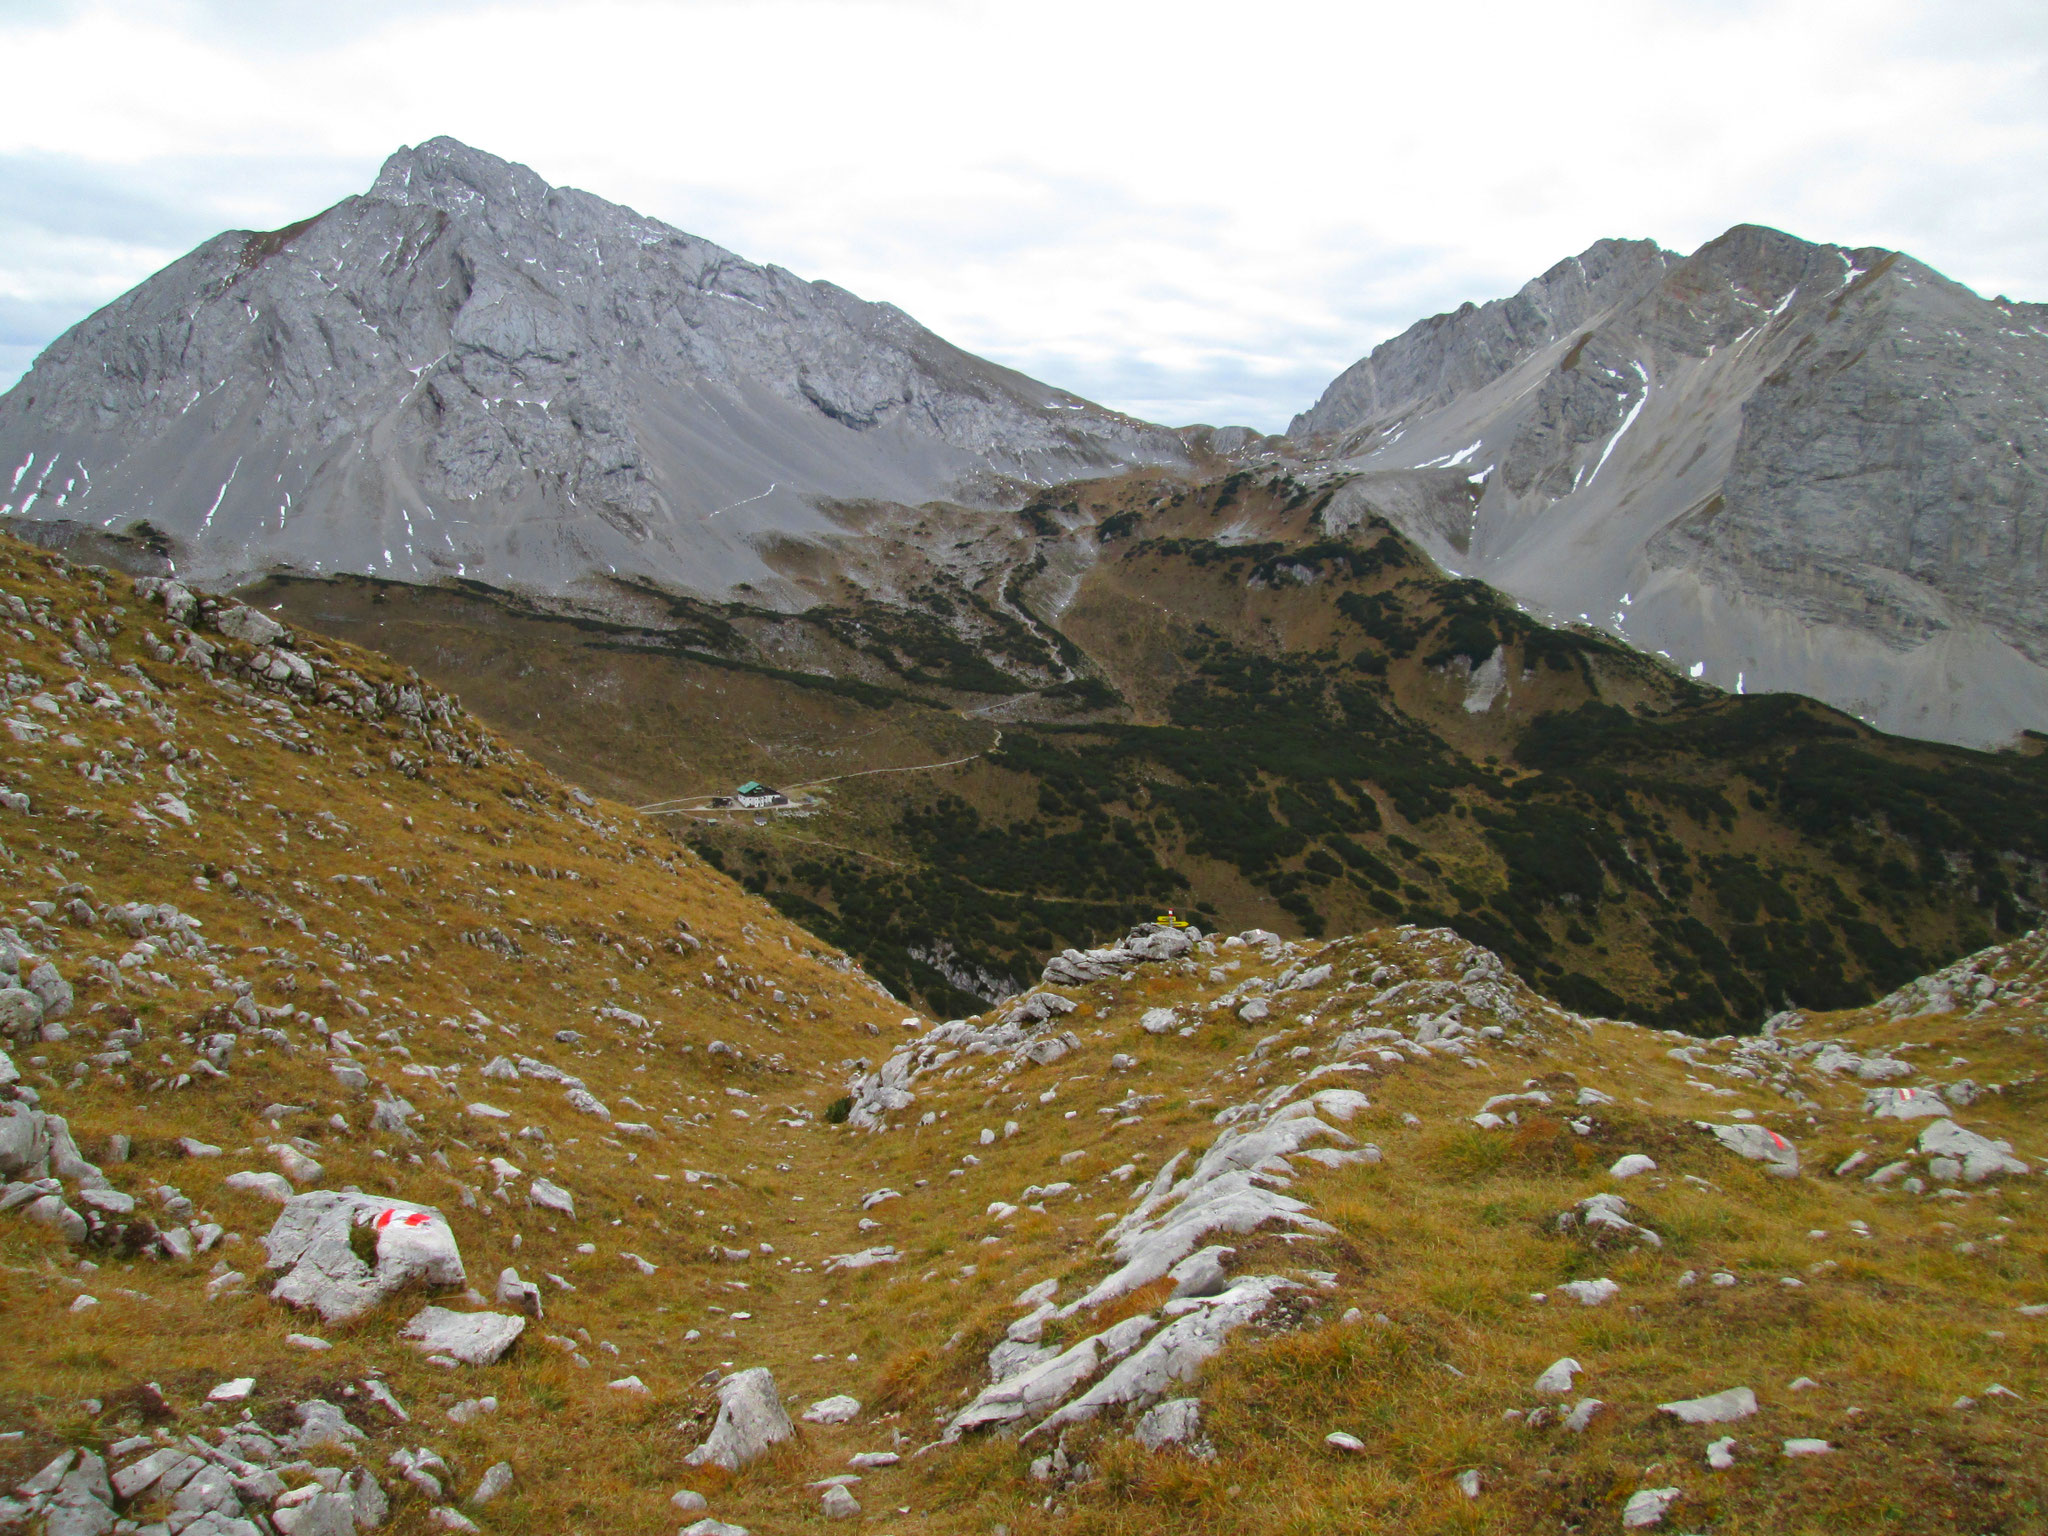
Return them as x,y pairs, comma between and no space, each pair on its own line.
1760,1144
311,1242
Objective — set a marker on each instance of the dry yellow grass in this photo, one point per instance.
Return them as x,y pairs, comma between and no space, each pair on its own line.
1446,1239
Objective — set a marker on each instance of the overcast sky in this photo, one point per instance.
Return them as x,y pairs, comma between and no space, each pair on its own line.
1191,211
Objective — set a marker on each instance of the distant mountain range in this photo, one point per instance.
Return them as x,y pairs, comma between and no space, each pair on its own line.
1781,466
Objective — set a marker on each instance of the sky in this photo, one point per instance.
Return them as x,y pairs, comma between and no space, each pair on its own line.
1188,211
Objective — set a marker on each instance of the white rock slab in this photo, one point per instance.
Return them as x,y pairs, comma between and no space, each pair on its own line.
1981,1157
867,1258
1590,1293
841,1409
1759,1144
299,1168
546,1195
271,1186
839,1504
1904,1103
1177,1421
1718,1408
474,1338
1176,1353
1647,1507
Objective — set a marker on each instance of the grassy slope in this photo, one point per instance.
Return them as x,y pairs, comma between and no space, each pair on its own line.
1446,1238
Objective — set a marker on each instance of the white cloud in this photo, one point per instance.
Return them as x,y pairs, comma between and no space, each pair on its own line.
1190,211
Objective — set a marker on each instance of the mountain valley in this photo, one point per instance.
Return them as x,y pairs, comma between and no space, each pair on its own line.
634,894
396,1137
1267,725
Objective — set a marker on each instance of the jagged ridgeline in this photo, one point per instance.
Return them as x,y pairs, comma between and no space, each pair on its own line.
1232,697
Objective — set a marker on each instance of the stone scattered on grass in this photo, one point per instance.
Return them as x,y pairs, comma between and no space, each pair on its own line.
473,1338
1721,1453
523,1294
299,1168
1807,1447
1904,1103
1979,1157
1343,1442
1628,1167
1557,1376
271,1186
1605,1219
750,1419
1177,1421
1647,1507
839,1504
1759,1144
1590,1293
833,1410
546,1195
496,1482
1723,1407
867,1258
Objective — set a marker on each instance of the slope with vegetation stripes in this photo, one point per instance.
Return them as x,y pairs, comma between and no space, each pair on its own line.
1272,721
1244,1233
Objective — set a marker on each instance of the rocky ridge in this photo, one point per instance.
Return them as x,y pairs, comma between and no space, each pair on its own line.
1226,1225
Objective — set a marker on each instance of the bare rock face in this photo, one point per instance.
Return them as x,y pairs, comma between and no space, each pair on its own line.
1784,466
467,372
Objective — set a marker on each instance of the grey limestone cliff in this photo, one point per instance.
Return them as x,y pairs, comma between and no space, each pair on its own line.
468,372
1784,466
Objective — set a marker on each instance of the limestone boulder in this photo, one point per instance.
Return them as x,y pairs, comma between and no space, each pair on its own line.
343,1253
750,1419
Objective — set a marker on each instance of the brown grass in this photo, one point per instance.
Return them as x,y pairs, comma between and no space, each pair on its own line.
1447,1239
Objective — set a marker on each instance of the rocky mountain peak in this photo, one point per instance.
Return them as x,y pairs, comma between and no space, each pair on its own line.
448,174
469,373
1784,466
1436,360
